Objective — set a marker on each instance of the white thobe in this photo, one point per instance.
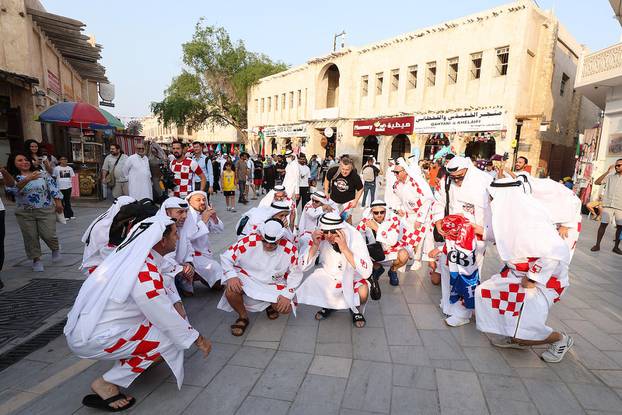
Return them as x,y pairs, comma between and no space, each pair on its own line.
138,173
418,209
138,331
205,265
264,274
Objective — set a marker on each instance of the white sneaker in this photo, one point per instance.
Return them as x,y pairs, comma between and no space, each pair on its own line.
454,321
233,210
556,351
37,266
56,257
507,343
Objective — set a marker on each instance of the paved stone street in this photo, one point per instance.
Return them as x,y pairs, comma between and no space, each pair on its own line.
405,361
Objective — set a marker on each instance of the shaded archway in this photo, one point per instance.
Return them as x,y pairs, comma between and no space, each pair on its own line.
370,147
481,147
400,146
433,144
327,90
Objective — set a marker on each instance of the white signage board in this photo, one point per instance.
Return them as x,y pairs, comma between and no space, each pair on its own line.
461,121
286,131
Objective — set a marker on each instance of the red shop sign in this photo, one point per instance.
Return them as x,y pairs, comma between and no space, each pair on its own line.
384,126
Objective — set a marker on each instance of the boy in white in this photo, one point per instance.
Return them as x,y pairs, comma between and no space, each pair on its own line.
515,303
123,313
341,281
201,221
261,272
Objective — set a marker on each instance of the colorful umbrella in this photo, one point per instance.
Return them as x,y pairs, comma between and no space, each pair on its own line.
73,114
113,122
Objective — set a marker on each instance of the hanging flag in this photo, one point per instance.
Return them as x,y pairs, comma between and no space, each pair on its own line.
232,149
262,144
218,148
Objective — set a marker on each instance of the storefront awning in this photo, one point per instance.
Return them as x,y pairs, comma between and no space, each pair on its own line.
18,79
66,35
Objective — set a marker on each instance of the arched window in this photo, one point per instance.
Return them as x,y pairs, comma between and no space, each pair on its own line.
481,147
370,147
434,144
400,146
328,87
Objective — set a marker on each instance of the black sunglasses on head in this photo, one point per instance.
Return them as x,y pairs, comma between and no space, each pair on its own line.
332,231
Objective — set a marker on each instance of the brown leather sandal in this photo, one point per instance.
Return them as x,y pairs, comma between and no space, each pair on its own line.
272,313
239,327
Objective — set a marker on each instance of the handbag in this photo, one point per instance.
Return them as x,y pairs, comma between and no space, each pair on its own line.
437,236
110,180
376,252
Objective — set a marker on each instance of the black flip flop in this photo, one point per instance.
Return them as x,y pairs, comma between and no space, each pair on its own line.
323,314
356,317
97,402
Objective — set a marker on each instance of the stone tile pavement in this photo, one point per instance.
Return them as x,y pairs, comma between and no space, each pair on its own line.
405,361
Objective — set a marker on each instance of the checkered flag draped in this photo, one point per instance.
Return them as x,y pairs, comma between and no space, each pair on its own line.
509,301
414,238
184,171
243,244
554,284
290,249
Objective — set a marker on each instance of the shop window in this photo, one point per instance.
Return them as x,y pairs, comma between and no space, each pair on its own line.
562,86
431,74
364,85
400,147
434,144
291,99
503,57
395,79
412,77
476,65
452,70
379,82
370,147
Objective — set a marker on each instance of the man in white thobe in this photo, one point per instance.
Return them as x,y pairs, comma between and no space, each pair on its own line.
261,272
250,222
279,194
309,218
138,173
123,313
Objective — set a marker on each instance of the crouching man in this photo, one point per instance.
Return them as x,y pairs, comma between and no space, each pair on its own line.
123,313
341,281
261,273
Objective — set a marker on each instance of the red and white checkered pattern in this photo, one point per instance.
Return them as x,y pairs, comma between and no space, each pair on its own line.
151,275
184,176
555,284
290,249
243,244
414,238
509,301
140,359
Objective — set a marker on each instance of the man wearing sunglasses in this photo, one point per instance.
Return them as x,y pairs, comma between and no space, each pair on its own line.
340,283
612,204
463,192
311,212
380,226
261,273
279,194
416,200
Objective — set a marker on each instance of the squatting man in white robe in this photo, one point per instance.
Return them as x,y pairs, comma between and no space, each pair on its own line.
201,221
515,303
261,272
250,222
340,283
380,225
123,313
310,216
279,194
138,173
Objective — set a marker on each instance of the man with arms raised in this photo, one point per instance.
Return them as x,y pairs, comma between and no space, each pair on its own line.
344,186
123,313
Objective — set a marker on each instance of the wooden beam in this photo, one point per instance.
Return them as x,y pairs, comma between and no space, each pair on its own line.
55,17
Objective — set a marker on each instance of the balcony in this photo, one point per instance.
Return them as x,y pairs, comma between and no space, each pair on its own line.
599,70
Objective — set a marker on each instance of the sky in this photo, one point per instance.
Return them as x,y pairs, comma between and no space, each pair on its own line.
142,39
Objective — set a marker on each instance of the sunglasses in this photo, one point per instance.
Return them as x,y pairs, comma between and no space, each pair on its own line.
332,232
397,171
618,165
456,178
379,212
140,148
315,201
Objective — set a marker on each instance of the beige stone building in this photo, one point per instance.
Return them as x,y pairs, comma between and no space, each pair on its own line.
44,59
153,129
600,79
494,82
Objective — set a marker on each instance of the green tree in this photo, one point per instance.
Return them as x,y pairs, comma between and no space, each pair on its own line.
213,86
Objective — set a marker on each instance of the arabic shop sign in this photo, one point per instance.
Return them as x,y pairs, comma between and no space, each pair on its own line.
477,120
287,131
384,126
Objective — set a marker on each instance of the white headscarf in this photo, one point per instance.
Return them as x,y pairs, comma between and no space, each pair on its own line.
259,215
272,230
415,173
473,188
560,202
521,224
172,203
115,277
96,235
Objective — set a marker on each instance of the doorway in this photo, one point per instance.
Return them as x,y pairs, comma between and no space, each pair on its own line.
370,147
400,146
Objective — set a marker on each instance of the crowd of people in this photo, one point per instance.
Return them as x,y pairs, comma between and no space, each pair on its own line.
299,245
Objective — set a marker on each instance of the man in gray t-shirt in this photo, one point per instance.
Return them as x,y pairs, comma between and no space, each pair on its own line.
612,204
115,162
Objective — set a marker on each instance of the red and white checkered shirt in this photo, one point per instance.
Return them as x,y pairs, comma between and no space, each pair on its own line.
184,176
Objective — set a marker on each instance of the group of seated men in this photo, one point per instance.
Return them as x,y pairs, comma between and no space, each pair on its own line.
129,309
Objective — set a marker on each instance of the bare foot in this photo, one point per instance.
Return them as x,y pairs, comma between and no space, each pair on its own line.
107,390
